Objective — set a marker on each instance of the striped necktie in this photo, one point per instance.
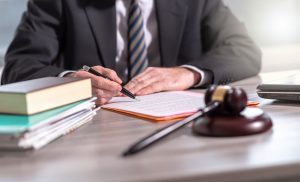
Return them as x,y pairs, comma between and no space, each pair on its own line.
138,57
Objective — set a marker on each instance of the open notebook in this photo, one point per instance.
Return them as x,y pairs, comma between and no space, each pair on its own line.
164,106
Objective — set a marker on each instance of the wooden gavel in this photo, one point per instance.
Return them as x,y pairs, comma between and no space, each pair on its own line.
229,100
218,99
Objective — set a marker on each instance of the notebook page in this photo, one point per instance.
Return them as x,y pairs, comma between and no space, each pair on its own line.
160,104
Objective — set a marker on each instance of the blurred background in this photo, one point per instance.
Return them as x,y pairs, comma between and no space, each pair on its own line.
273,24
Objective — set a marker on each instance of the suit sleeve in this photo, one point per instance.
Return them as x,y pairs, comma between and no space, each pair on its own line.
35,49
230,54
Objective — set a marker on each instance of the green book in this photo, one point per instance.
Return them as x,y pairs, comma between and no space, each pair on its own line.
16,124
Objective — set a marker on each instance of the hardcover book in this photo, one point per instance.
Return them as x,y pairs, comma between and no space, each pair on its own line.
34,96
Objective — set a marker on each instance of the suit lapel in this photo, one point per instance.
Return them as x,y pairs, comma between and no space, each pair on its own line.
102,19
171,15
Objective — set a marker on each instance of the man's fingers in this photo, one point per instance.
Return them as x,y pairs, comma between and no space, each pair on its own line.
111,74
102,101
100,93
99,69
143,80
150,81
153,88
105,84
99,82
140,84
82,74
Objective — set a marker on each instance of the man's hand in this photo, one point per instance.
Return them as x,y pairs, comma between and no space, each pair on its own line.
103,89
163,79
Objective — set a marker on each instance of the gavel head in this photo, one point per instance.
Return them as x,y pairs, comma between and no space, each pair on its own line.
232,100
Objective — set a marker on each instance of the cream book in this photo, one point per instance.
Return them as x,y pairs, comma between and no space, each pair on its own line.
34,96
164,106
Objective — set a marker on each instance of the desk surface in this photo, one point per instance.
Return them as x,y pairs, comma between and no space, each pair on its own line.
92,153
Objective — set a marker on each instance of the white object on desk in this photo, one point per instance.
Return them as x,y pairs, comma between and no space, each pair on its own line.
160,104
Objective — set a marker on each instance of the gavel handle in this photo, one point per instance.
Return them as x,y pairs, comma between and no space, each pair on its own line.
162,133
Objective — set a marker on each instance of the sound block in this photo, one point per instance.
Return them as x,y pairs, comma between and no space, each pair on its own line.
250,121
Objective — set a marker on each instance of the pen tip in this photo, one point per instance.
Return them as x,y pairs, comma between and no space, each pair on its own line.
126,154
137,99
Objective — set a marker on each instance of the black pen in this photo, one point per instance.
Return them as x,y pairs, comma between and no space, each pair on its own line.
94,72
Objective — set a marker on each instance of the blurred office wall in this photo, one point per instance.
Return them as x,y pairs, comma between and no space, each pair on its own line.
275,26
10,14
270,22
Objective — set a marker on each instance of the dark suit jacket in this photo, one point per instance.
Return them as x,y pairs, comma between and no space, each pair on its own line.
59,35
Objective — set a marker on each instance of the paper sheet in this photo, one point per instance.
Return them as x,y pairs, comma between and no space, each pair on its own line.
159,106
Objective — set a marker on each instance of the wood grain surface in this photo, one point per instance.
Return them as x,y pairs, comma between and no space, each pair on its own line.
93,152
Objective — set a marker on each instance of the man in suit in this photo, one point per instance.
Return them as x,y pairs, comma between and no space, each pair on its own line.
153,45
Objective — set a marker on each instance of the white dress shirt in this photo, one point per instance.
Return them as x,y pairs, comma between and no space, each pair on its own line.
150,30
151,37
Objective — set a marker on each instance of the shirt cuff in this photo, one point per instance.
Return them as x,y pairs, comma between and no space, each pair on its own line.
65,73
206,78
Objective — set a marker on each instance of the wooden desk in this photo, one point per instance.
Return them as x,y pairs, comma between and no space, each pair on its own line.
92,153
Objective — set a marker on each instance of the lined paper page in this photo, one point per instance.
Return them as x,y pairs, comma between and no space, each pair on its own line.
160,104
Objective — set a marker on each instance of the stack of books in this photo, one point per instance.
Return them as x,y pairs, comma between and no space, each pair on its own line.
34,113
